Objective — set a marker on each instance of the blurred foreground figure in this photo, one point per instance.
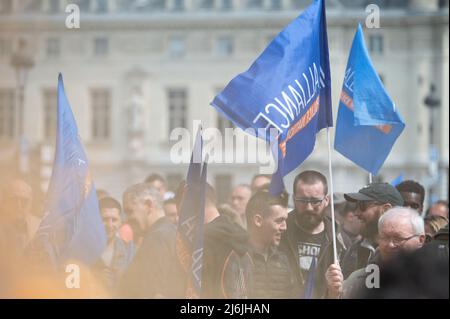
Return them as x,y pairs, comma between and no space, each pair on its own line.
400,230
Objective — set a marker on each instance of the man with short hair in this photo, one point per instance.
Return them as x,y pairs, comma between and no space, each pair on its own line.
259,181
240,196
308,241
155,271
350,224
440,208
400,230
413,194
372,202
117,256
226,261
266,221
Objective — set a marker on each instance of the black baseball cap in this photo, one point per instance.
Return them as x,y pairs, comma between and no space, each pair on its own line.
379,192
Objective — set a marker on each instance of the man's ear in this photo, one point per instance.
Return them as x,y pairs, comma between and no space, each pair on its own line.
422,239
327,200
386,207
257,220
350,216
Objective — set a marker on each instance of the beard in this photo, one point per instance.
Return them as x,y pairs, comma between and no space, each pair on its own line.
370,228
310,220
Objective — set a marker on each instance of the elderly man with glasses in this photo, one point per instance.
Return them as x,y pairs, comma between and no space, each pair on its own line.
400,230
308,240
372,202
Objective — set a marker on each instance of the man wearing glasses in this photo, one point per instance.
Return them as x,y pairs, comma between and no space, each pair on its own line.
401,230
308,241
372,201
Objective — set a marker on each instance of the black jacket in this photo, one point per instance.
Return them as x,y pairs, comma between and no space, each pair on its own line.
155,270
289,246
357,256
226,262
273,278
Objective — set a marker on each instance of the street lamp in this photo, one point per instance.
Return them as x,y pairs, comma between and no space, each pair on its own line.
21,62
432,102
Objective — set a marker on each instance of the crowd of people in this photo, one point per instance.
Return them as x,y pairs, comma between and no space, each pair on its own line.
256,245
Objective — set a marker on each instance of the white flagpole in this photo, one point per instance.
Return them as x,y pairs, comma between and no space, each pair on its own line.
370,178
333,225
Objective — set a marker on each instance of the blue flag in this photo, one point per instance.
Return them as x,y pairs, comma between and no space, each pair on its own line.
189,242
286,90
397,180
368,123
72,228
310,280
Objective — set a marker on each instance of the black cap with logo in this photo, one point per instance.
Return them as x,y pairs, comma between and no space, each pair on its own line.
379,192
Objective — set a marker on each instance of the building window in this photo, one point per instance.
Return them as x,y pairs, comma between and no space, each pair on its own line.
149,5
50,112
376,43
102,6
300,4
101,46
85,5
177,108
5,47
275,4
176,47
254,4
7,114
6,6
33,6
223,187
101,114
54,6
226,4
225,46
206,4
53,48
178,5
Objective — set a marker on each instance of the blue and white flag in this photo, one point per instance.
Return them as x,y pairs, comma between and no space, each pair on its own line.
286,90
72,228
368,123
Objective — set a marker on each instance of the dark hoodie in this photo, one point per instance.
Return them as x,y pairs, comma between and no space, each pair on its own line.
226,260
